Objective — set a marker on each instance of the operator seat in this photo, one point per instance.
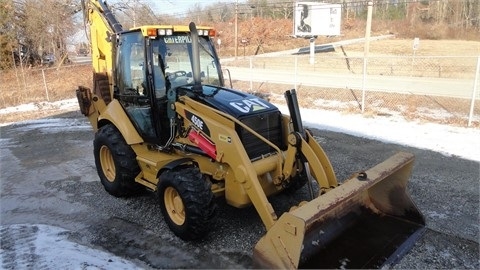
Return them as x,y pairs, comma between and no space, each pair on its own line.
159,81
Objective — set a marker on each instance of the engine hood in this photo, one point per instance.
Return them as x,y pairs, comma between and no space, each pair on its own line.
233,102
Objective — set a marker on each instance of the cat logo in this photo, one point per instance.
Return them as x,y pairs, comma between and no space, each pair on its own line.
249,105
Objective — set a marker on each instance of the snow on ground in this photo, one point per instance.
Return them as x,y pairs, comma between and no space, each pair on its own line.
449,140
48,247
68,104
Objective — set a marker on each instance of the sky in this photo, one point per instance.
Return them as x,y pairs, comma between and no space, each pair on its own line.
52,247
170,7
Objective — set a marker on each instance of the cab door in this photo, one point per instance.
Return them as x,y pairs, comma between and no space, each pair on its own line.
132,87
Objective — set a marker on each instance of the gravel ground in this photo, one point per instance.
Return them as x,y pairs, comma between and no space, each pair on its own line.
48,177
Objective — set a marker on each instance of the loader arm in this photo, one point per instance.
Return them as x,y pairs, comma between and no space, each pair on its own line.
302,147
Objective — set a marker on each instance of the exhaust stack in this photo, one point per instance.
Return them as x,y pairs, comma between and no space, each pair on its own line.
197,81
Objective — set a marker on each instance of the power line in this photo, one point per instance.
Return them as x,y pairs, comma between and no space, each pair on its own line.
245,6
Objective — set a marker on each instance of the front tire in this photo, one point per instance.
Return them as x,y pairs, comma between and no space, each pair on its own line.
116,162
187,202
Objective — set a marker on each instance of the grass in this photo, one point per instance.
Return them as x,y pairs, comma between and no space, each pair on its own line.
20,86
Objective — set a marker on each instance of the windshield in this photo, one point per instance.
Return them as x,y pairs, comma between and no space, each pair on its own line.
173,55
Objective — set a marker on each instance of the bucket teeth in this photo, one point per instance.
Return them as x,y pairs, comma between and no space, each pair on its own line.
302,203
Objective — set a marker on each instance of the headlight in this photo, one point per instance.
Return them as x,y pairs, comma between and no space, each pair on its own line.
165,32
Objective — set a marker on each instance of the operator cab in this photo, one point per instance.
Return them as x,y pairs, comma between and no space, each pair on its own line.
153,60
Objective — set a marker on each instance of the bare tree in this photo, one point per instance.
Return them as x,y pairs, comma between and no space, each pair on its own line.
37,27
135,13
7,34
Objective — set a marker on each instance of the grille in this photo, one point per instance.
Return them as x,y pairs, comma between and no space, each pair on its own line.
268,125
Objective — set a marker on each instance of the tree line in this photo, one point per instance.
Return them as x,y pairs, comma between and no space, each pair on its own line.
31,29
462,13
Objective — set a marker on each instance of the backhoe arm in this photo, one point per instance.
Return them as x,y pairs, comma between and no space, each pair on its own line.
103,27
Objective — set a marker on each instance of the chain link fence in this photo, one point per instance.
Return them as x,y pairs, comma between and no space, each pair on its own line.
34,85
432,89
429,89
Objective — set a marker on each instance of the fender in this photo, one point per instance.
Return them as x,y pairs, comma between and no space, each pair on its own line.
115,114
173,164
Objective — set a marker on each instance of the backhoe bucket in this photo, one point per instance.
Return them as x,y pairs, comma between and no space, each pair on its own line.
367,222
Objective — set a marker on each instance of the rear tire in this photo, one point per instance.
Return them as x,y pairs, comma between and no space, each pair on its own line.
187,202
116,162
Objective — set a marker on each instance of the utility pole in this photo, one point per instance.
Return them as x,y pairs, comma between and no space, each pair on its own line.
236,29
366,50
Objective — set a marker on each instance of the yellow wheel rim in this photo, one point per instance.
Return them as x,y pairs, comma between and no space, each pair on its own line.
107,163
174,205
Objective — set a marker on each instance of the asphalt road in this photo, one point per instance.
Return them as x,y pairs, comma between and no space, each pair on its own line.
77,59
48,177
445,87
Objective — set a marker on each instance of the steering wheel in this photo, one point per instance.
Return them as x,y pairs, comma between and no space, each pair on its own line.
176,74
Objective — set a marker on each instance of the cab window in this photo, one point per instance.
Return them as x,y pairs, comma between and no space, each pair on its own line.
132,84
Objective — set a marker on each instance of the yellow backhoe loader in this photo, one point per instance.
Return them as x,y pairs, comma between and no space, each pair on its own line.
164,120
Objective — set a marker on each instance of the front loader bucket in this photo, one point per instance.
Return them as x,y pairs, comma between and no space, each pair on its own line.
367,222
